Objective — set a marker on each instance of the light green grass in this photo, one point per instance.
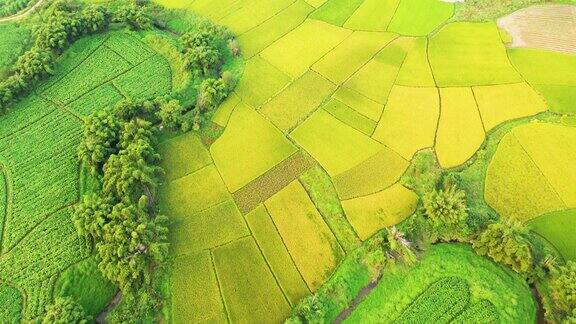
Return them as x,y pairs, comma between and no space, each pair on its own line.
373,15
275,252
195,231
350,116
298,50
515,187
561,99
249,289
558,228
500,103
255,40
195,292
378,172
336,12
340,63
183,155
371,213
309,240
460,131
87,285
260,82
400,286
248,148
420,17
293,105
464,54
409,120
193,193
335,145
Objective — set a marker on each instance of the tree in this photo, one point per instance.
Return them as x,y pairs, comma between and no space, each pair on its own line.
94,18
135,15
64,310
506,243
211,92
132,245
202,60
90,216
563,288
171,114
132,172
34,64
100,140
446,207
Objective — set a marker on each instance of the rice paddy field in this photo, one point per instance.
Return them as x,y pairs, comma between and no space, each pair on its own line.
307,158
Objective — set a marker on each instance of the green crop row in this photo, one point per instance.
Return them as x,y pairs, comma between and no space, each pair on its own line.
40,159
35,261
481,312
11,304
129,47
149,79
439,303
102,66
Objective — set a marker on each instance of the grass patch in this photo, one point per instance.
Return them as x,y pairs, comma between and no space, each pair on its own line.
369,214
295,52
336,146
183,155
420,17
340,63
313,247
12,302
323,194
378,172
560,98
15,39
277,255
85,283
501,103
409,121
249,147
291,107
195,291
248,287
465,54
460,131
558,228
373,15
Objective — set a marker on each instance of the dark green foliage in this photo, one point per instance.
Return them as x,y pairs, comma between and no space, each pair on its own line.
506,244
91,214
563,287
446,207
64,310
12,303
439,303
134,14
211,92
423,174
10,7
172,115
100,139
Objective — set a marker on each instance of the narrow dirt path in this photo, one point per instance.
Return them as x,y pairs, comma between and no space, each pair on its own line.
113,303
22,14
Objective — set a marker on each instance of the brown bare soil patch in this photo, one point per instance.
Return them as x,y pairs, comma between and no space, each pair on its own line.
548,27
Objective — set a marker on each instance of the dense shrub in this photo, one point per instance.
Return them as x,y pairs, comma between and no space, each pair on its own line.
64,310
134,14
505,243
563,287
446,207
100,140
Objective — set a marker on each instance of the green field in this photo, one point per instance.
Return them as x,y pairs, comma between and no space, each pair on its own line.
256,161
